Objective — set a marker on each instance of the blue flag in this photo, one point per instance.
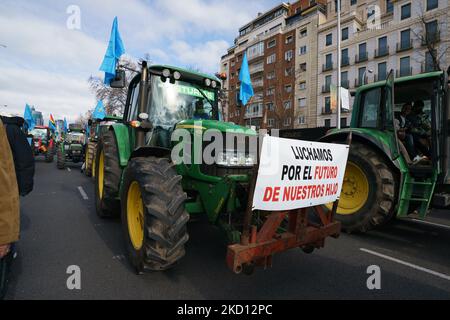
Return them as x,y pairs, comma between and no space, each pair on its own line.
51,126
246,90
66,128
113,53
28,116
99,112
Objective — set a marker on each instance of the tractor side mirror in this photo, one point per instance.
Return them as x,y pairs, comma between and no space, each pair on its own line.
119,80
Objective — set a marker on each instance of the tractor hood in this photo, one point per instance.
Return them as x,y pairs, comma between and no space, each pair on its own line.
217,125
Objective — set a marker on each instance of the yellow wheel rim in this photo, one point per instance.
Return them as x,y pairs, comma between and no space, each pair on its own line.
101,173
355,191
135,215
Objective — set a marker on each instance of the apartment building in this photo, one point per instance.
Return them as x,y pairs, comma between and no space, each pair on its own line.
281,46
379,36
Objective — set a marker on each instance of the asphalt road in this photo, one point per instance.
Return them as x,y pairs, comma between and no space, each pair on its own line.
60,229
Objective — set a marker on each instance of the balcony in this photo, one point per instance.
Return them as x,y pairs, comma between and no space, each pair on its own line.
361,57
360,82
256,69
382,52
253,115
431,38
426,67
326,88
403,72
345,61
327,67
404,45
255,56
327,110
258,84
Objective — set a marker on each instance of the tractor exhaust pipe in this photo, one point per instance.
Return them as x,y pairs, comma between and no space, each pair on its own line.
143,93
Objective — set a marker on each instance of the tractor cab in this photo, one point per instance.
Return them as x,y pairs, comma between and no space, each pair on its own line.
42,142
398,163
174,96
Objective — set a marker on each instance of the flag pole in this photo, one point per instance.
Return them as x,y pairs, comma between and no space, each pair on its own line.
338,97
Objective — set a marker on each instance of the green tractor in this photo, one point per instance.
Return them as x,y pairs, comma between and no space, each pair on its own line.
71,148
97,126
380,181
137,178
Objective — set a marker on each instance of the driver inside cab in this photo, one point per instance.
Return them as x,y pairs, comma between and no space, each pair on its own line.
200,113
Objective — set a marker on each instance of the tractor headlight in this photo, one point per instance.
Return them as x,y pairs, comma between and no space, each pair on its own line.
235,159
207,82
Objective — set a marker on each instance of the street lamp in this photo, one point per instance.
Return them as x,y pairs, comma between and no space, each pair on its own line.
364,75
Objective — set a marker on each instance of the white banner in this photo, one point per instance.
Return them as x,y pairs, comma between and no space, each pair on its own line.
297,174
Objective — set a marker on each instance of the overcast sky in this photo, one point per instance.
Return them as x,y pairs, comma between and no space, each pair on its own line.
46,64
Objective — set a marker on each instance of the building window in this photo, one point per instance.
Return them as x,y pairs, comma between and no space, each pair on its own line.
362,52
353,2
345,60
303,33
344,79
343,122
271,75
271,43
432,4
287,121
329,61
287,104
288,88
382,71
327,123
361,76
302,120
327,83
406,11
405,67
429,63
233,63
232,75
336,6
303,67
270,92
432,33
288,55
289,39
329,39
405,39
271,122
289,71
255,50
302,102
327,105
302,50
271,59
344,34
270,106
382,46
389,6
302,86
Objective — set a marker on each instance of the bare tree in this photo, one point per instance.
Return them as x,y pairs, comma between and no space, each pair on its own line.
114,99
429,34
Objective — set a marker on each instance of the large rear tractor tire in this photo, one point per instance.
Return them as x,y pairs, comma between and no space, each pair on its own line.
153,215
60,159
90,154
107,177
369,191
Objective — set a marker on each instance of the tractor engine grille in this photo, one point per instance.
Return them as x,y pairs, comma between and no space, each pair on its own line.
219,171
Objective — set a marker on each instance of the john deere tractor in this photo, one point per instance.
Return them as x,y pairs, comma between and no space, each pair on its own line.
97,127
43,142
72,148
155,195
381,182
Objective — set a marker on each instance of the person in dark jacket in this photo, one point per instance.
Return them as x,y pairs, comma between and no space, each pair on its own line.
22,153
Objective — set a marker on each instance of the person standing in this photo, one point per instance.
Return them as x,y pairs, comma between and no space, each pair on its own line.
9,208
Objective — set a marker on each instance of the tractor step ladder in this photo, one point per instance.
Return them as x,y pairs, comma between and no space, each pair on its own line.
409,194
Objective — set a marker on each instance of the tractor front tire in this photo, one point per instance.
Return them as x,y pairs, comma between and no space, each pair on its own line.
60,159
107,177
90,154
369,191
153,215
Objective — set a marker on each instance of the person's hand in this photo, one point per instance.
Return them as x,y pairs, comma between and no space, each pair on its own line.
4,250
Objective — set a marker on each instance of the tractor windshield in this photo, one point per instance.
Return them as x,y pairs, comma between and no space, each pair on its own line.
39,134
171,103
75,138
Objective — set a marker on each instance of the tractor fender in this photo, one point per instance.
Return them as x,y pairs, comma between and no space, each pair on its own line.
366,139
123,142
